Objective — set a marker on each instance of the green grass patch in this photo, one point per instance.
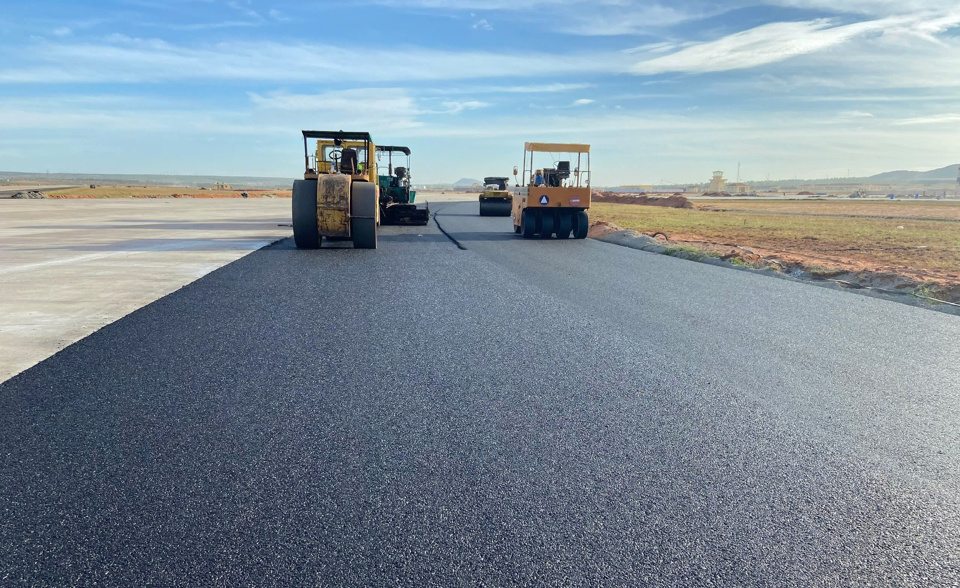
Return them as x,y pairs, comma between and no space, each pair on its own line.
690,252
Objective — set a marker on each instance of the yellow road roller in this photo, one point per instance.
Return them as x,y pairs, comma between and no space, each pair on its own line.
553,198
495,200
338,197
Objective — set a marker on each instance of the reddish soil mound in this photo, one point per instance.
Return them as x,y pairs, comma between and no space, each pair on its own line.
602,228
674,201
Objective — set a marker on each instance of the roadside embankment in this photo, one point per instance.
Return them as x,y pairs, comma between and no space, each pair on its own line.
908,249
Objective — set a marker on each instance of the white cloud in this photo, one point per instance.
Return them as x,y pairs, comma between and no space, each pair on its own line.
576,17
935,119
625,20
483,25
455,107
780,41
245,10
62,31
278,16
582,102
869,7
525,89
391,101
389,108
121,59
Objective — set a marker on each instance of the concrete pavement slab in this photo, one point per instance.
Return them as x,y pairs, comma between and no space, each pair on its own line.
69,267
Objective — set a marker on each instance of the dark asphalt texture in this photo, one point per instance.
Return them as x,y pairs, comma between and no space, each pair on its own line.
519,412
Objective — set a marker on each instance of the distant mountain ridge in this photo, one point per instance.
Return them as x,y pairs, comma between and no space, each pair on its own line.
948,173
466,182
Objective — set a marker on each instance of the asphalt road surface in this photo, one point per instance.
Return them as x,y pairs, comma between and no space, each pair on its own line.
519,412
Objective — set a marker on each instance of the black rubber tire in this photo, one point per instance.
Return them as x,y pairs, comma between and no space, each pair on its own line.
565,226
364,205
306,235
548,222
528,223
581,224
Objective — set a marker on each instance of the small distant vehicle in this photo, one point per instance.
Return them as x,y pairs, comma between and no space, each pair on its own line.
396,197
553,200
495,200
338,197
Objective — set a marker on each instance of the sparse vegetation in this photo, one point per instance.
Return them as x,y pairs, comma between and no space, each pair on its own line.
923,242
690,252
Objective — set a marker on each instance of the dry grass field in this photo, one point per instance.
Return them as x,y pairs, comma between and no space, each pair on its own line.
919,240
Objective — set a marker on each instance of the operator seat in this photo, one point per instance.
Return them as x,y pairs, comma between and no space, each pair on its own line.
348,161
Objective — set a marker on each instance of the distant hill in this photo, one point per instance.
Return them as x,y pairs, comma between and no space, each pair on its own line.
466,182
948,174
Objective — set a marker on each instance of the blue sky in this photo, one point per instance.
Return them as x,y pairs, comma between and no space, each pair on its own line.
664,92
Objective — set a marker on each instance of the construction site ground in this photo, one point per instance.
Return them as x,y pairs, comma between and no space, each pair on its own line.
902,244
159,192
69,267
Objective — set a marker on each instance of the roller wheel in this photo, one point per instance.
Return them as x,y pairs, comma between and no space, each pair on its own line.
581,224
565,226
547,224
306,235
528,223
363,213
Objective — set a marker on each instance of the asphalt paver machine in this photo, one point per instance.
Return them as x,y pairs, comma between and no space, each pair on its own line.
396,196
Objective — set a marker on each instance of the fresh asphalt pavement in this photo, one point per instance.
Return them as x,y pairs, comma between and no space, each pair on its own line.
518,412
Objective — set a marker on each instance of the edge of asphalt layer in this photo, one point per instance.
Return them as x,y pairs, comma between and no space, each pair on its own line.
136,310
634,240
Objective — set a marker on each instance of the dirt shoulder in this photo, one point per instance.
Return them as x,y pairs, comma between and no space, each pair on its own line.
903,246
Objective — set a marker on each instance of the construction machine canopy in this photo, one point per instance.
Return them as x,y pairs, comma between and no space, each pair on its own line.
342,135
393,149
568,171
351,151
556,148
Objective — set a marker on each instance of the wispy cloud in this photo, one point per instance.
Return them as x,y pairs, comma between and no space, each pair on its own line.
775,42
582,102
245,10
577,17
935,119
455,107
150,60
546,88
